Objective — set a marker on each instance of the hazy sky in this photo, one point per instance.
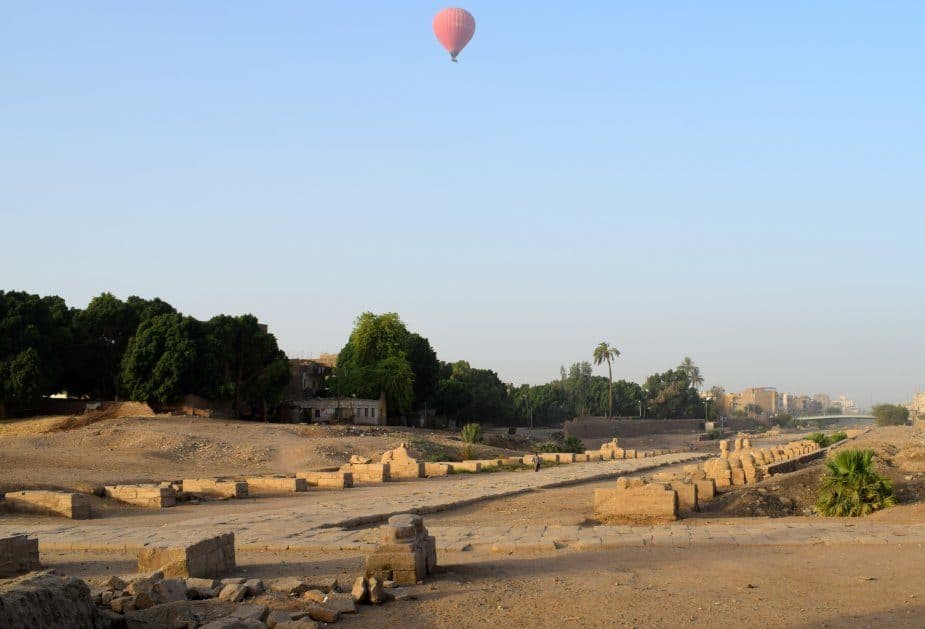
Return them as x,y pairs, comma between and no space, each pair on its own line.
738,183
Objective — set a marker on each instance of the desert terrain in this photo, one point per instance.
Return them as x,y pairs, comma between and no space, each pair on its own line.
812,576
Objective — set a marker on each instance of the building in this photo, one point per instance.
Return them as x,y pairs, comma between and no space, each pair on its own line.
306,379
917,405
848,407
333,409
766,398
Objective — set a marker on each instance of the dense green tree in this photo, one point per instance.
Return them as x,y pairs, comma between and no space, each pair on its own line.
450,397
161,360
244,365
671,396
35,337
606,353
424,366
375,360
489,396
101,334
890,415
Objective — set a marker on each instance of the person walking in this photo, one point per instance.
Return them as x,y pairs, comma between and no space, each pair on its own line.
536,462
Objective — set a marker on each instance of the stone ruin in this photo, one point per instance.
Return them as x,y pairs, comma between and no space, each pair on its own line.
405,554
209,557
18,554
402,464
67,504
634,501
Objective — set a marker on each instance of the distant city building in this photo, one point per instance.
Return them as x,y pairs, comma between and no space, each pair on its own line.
917,405
848,407
302,401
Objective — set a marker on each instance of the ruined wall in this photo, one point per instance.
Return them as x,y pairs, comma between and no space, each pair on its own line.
599,427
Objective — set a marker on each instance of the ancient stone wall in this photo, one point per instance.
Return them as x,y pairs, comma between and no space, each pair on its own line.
598,427
634,502
215,488
207,558
276,484
18,554
67,504
327,480
148,496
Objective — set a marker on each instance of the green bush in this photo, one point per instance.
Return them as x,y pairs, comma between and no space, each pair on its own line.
891,415
573,444
819,438
471,433
852,487
836,437
713,434
546,446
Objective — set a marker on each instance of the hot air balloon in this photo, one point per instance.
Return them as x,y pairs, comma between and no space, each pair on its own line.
454,28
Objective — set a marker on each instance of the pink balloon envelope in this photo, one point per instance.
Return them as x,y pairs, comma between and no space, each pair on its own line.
454,28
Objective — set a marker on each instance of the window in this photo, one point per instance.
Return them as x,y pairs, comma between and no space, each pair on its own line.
374,413
366,412
317,413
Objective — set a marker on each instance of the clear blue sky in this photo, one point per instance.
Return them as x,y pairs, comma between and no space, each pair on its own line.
738,183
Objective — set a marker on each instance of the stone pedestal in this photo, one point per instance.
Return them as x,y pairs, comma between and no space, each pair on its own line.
406,554
69,505
18,554
207,558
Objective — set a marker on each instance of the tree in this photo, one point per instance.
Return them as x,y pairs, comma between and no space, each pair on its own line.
244,365
375,360
692,371
890,415
606,353
35,338
160,362
671,396
101,335
450,397
753,409
851,486
424,366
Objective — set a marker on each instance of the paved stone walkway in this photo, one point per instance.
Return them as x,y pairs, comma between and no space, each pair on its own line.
316,520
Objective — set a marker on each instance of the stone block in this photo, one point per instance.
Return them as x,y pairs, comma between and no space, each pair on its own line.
512,461
706,488
147,496
18,554
550,457
436,469
67,504
466,466
405,554
276,484
399,470
208,558
687,495
639,505
630,454
328,480
369,472
215,488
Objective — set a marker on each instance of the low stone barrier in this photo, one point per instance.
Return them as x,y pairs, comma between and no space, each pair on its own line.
67,504
405,554
276,484
401,464
18,554
369,472
636,502
148,496
687,495
465,466
327,480
436,469
207,558
215,488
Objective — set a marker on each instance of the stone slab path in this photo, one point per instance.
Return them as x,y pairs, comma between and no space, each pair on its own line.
316,520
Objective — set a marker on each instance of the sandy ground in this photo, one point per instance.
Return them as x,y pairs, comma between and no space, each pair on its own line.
715,586
712,586
153,449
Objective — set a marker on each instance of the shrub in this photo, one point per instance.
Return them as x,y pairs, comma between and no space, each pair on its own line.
819,438
713,434
471,433
573,444
836,437
891,415
852,487
546,446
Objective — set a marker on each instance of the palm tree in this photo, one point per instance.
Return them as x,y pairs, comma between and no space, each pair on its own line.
692,371
604,352
852,487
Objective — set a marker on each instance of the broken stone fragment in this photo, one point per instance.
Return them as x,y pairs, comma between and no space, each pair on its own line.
323,614
342,603
316,596
233,593
360,592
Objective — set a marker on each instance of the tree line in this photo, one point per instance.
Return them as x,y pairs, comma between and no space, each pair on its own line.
383,355
137,349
